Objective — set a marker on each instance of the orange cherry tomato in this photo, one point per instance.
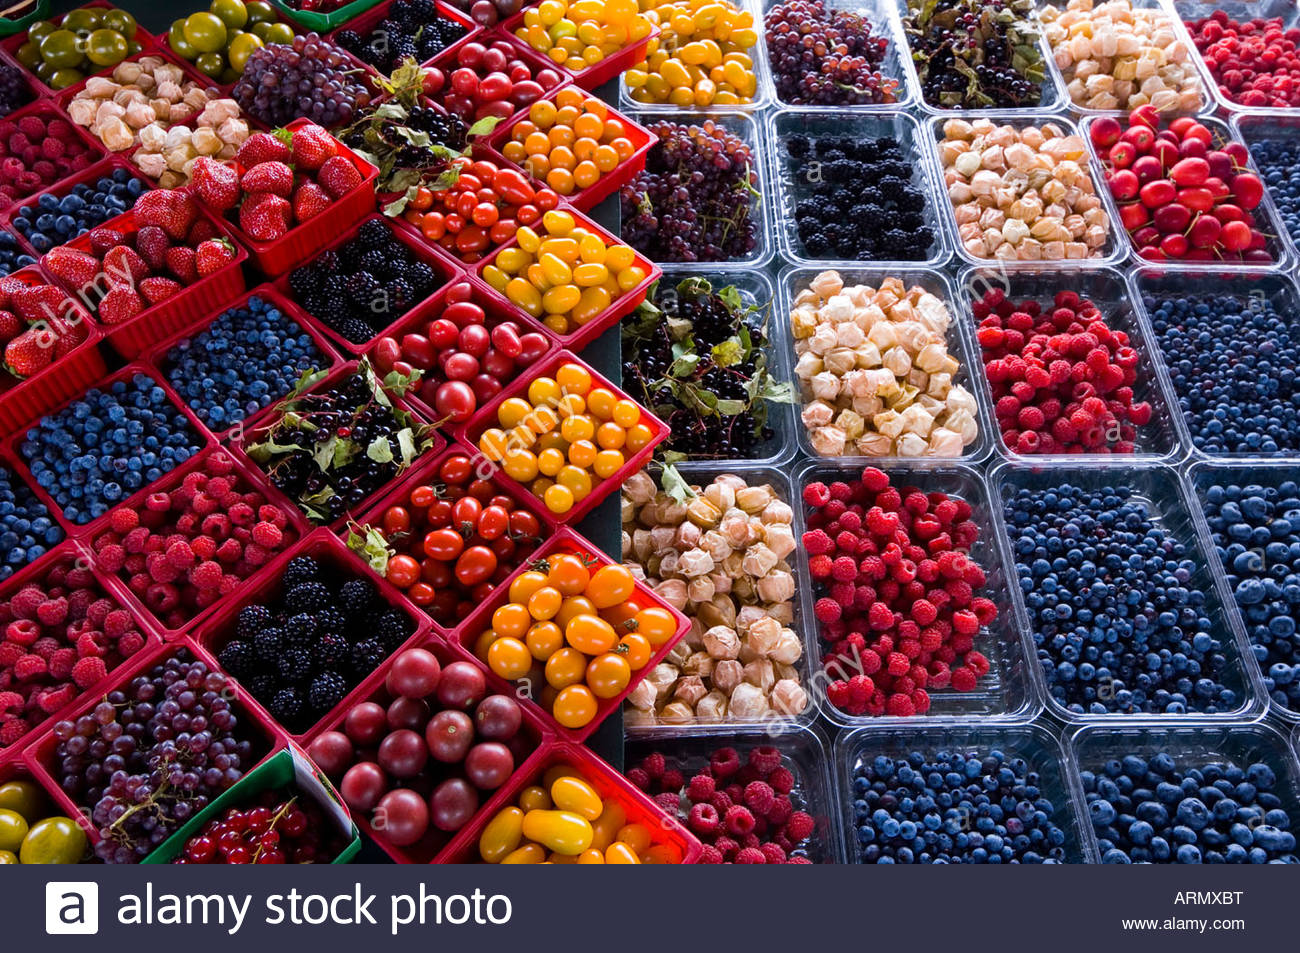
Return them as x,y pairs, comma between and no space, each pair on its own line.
568,573
575,706
656,624
565,667
608,675
511,620
590,634
573,607
610,585
636,649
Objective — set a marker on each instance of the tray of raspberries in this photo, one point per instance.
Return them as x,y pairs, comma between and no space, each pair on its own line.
192,542
62,635
151,272
49,343
40,146
288,193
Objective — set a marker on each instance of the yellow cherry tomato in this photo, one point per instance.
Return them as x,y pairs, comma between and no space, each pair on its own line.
543,391
574,606
656,624
635,836
545,603
502,834
558,499
484,642
561,831
535,797
525,584
639,437
509,658
591,856
606,827
636,648
527,854
512,411
576,795
608,462
511,620
626,413
573,379
601,403
620,853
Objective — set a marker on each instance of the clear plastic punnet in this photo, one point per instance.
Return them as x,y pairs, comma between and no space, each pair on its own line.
1252,128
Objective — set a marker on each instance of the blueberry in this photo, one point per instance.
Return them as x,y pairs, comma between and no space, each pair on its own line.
26,530
13,257
55,220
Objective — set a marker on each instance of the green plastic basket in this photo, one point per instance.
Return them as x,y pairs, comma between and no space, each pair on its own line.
324,22
282,769
9,27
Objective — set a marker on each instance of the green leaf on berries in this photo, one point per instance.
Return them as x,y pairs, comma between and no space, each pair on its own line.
309,379
410,446
484,126
728,353
400,384
265,450
368,543
380,450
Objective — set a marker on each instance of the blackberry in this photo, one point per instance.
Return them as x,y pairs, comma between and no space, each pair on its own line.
300,631
354,330
392,628
300,569
295,665
252,620
366,657
332,649
237,658
374,262
356,597
327,690
373,233
330,621
308,597
268,644
285,706
263,686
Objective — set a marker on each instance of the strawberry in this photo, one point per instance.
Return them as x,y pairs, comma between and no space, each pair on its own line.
201,231
104,238
40,303
174,212
215,183
29,353
123,267
158,288
338,176
66,338
309,201
152,244
10,326
119,305
75,268
311,146
264,216
274,177
213,255
9,285
180,262
261,147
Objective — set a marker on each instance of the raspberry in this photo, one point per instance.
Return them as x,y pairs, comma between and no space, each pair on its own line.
924,612
816,494
23,632
782,781
117,623
800,827
653,765
827,610
727,846
845,569
10,702
268,535
672,780
45,646
780,811
874,479
724,763
24,602
123,520
30,666
61,664
130,643
963,679
773,853
203,547
703,819
111,558
817,543
701,788
721,803
51,701
750,855
759,797
900,706
738,820
10,652
88,646
52,612
229,551
669,801
639,779
711,855
879,617
206,575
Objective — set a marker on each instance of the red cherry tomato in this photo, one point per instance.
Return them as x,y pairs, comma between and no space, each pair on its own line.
482,490
437,574
421,593
403,571
456,469
442,333
524,524
423,496
439,513
461,367
475,565
466,511
475,340
463,313
527,214
493,522
444,544
455,401
397,519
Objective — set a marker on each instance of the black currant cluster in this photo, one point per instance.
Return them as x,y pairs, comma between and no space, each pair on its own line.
721,369
855,200
692,202
995,40
14,91
365,285
321,451
413,29
311,78
301,653
151,755
822,56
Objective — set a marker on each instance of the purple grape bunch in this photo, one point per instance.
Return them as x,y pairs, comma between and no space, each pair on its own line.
311,78
693,202
150,756
826,57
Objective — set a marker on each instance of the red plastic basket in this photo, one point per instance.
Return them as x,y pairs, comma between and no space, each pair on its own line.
567,541
487,417
157,356
77,530
610,182
608,783
155,324
252,435
365,23
24,401
427,473
534,737
216,630
246,480
598,73
422,250
104,167
69,554
305,241
266,738
47,111
497,311
535,62
148,44
623,305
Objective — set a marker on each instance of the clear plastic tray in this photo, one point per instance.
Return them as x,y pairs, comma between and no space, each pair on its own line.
1170,506
1250,127
886,22
1201,476
961,344
1158,440
1117,244
894,124
762,91
761,208
804,624
805,752
1190,746
1240,10
1053,97
1036,744
1264,212
1007,692
1261,285
1207,102
755,289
